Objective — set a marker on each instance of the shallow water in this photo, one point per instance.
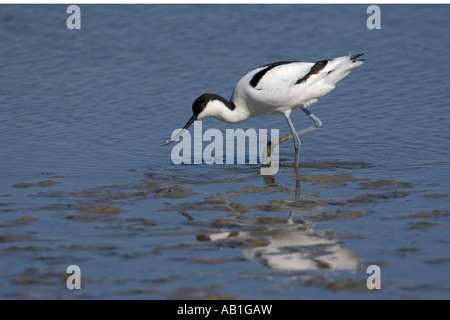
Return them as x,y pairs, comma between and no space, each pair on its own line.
84,180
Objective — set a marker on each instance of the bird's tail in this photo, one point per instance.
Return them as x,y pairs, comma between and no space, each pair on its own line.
339,68
345,63
356,56
355,62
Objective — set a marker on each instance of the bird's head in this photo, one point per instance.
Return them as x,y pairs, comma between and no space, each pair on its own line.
207,105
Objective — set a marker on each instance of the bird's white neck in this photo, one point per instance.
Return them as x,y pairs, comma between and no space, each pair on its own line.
224,110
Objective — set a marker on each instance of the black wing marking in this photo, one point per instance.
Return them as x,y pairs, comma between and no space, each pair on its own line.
319,65
258,76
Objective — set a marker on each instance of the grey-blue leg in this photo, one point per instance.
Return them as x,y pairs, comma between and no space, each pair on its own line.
272,144
297,142
317,123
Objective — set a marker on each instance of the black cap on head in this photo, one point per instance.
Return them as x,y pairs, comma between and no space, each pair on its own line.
200,103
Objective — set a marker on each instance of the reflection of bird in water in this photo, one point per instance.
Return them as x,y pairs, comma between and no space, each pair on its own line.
290,248
276,88
297,249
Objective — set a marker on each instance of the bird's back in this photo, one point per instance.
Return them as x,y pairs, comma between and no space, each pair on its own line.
282,86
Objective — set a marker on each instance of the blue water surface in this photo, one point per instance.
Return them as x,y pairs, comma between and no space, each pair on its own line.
85,181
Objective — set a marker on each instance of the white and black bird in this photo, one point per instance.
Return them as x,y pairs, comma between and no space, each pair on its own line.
276,88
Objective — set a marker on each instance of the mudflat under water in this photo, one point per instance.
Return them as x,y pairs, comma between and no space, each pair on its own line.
84,180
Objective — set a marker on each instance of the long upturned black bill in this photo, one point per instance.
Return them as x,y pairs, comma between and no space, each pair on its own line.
179,134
